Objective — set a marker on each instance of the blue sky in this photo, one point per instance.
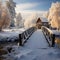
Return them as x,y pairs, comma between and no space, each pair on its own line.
42,5
29,7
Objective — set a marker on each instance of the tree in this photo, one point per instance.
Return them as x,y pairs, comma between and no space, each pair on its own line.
4,17
10,4
31,21
54,15
19,20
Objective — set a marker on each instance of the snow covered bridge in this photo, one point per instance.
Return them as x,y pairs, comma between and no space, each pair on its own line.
37,40
40,36
36,48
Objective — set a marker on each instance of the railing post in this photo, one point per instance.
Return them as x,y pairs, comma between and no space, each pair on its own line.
20,40
53,40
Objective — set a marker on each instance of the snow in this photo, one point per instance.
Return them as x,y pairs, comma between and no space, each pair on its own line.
36,40
56,32
10,34
44,19
36,48
15,29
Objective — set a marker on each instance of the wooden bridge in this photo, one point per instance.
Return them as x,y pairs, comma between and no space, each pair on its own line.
45,32
35,44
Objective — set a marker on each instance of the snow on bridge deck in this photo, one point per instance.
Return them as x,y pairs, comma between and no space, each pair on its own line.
37,40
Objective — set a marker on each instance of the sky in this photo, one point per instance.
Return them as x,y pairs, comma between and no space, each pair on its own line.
29,6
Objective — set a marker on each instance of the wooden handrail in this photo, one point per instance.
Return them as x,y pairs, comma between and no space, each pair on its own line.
25,35
50,37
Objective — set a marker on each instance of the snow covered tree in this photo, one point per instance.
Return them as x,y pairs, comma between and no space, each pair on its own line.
31,21
19,22
4,17
54,15
10,4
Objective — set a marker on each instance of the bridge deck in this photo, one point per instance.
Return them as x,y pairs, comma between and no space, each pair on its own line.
37,40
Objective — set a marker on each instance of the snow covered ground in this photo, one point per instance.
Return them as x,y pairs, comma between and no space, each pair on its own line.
36,48
10,34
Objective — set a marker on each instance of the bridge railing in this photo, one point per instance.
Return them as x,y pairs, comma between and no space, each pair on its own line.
23,37
50,37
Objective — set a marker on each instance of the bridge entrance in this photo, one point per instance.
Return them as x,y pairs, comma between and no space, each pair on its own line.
37,40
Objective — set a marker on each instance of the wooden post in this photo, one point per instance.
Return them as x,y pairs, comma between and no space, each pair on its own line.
20,40
53,40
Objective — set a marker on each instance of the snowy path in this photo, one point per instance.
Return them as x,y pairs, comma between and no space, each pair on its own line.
36,48
37,40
